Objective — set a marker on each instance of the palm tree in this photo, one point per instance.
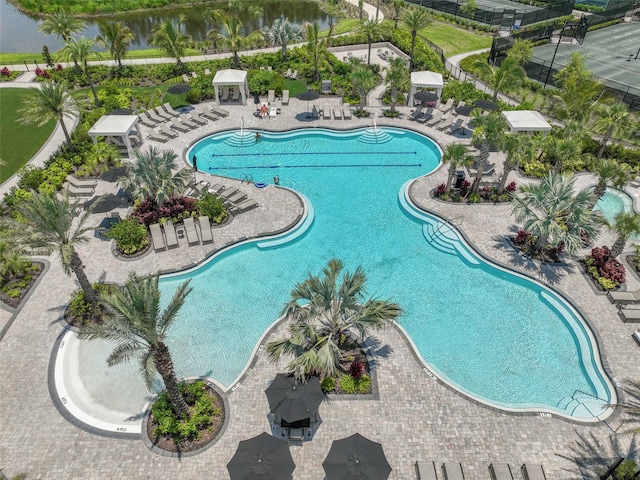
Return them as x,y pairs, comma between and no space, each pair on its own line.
52,101
558,150
518,147
233,38
282,32
149,175
415,19
398,6
364,79
79,51
610,174
317,47
613,121
488,130
116,38
552,213
61,24
170,39
322,313
456,156
360,9
625,225
579,92
505,77
139,329
371,27
631,407
397,78
48,224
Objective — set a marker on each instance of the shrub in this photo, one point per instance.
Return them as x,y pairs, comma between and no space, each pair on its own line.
522,237
512,187
607,271
626,470
440,189
328,384
356,370
82,312
175,208
350,385
212,206
474,198
130,236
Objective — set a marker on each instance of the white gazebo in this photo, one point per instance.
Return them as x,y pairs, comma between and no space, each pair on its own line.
425,79
526,121
236,78
116,126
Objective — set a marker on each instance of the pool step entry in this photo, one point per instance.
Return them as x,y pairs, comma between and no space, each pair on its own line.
238,139
374,136
582,404
445,238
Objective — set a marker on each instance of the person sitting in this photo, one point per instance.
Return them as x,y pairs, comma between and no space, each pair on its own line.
264,110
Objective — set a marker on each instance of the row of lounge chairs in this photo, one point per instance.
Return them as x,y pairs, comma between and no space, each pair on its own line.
291,74
229,94
497,471
183,123
339,112
622,299
235,200
76,187
170,237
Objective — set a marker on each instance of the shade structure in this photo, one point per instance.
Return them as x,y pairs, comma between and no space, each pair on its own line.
292,401
425,79
464,110
526,121
356,458
179,88
261,458
425,97
234,78
308,96
487,105
116,126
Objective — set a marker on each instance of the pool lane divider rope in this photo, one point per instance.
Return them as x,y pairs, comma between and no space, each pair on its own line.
280,154
386,165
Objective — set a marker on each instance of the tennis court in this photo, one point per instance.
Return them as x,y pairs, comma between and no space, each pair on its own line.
506,5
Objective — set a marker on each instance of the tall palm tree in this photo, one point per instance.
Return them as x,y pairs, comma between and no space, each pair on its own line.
323,312
579,92
456,156
610,174
625,224
360,9
170,39
317,47
232,38
518,147
553,214
488,130
559,150
139,329
150,175
61,23
48,225
364,79
52,101
415,18
508,75
282,32
116,38
631,408
397,78
398,6
79,51
371,27
613,120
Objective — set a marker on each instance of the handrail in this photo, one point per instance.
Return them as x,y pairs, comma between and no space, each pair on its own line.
588,410
246,177
446,220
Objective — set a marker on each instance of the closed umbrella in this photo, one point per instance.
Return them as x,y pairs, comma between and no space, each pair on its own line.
293,401
356,458
262,457
179,88
308,96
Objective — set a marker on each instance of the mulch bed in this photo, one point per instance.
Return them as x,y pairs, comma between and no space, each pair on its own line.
168,445
545,256
15,302
139,253
352,350
632,264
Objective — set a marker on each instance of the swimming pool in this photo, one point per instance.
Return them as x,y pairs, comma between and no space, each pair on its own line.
613,202
496,336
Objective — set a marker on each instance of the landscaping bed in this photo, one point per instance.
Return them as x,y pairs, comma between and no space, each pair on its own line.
353,376
14,292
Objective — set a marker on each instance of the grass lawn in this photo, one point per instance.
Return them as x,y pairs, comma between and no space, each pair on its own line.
294,86
18,143
454,40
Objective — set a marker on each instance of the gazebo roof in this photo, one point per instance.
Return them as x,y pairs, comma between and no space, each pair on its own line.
113,125
230,77
426,79
526,121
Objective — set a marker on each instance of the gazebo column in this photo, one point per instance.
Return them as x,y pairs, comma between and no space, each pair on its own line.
127,142
412,91
215,89
139,133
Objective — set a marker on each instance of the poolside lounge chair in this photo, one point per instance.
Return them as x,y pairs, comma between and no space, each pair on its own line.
426,115
447,106
170,234
74,191
629,315
533,472
244,206
273,112
426,470
205,229
146,121
237,197
346,111
452,471
455,126
88,184
435,119
165,129
185,78
326,113
235,96
177,125
221,112
196,118
190,230
156,237
224,96
285,97
416,113
445,123
187,122
500,471
158,137
228,192
152,114
162,113
461,103
167,106
207,71
216,188
194,74
337,113
207,113
624,298
271,96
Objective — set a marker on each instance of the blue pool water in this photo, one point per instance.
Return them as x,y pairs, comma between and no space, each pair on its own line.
614,202
498,337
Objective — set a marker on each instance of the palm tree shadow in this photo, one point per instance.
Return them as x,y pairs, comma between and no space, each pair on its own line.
376,351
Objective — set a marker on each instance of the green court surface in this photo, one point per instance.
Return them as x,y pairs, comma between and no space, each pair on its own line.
505,5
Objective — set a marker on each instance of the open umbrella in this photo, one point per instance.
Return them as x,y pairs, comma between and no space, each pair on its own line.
486,105
465,110
106,203
179,88
425,97
292,401
356,457
263,457
307,97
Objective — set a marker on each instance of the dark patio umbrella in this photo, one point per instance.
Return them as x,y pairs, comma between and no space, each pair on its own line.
120,111
308,96
262,457
256,99
425,97
179,88
356,457
293,401
487,105
465,110
105,203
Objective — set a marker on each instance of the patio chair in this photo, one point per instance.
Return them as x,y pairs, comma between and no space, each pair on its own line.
221,112
337,113
326,113
435,119
285,97
156,237
155,117
426,470
455,126
447,106
314,112
237,197
452,471
177,125
74,191
346,111
271,96
533,472
461,103
167,106
196,118
187,122
190,230
185,78
162,113
426,115
228,192
208,114
244,206
629,315
88,184
165,129
207,71
146,121
416,113
216,188
224,96
158,137
205,229
194,74
444,124
273,112
500,471
624,298
170,234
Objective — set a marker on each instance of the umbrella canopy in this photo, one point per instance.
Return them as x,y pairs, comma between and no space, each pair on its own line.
465,110
486,105
425,97
308,96
105,203
263,457
356,457
179,88
293,401
120,111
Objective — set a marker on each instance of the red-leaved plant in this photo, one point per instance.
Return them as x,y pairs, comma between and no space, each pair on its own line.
356,370
511,187
522,237
440,189
5,72
176,208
